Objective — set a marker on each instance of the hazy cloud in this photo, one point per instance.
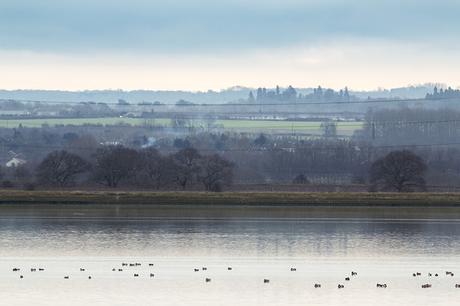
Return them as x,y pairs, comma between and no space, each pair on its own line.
200,26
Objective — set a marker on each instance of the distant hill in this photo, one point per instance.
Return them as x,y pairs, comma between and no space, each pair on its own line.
169,97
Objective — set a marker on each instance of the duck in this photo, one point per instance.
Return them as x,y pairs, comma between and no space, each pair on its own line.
66,277
152,275
208,280
457,285
266,281
340,286
293,269
120,270
89,277
82,270
426,286
381,285
41,269
229,268
204,269
21,276
196,270
347,279
317,285
136,275
16,269
354,273
33,270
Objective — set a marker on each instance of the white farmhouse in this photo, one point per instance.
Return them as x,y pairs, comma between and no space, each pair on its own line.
15,162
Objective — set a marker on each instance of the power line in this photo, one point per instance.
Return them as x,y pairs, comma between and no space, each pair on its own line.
289,124
230,104
254,150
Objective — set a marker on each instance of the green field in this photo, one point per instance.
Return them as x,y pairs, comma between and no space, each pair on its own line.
343,128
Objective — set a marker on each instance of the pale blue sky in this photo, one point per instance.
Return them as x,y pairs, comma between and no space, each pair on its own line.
194,44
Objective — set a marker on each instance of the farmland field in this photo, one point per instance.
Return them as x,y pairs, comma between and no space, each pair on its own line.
306,127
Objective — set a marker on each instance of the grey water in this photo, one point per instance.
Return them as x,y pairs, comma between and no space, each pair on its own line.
321,251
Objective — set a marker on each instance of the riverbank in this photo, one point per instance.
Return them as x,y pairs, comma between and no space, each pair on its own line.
102,204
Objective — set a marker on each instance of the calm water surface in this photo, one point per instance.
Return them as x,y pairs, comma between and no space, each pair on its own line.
322,251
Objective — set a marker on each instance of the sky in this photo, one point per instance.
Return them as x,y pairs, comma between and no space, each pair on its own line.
204,44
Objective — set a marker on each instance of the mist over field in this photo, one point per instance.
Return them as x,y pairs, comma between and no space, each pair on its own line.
229,95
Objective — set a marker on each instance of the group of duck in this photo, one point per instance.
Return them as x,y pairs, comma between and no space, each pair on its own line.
428,285
265,280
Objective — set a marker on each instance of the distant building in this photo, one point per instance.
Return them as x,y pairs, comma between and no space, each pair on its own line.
15,162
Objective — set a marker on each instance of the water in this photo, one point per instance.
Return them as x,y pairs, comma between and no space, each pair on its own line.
322,251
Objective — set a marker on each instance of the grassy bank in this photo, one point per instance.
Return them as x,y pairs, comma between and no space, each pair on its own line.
238,205
232,198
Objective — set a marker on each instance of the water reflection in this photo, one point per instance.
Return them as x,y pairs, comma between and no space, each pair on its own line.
228,238
322,252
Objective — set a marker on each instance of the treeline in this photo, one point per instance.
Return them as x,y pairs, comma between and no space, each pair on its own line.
443,94
115,166
290,94
256,159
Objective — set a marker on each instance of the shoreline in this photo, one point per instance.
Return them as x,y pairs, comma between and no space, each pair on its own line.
229,205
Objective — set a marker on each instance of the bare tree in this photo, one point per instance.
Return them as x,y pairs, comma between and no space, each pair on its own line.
154,169
329,129
215,172
59,168
300,179
400,171
186,166
115,164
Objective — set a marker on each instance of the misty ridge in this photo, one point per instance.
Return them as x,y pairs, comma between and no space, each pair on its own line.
233,94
